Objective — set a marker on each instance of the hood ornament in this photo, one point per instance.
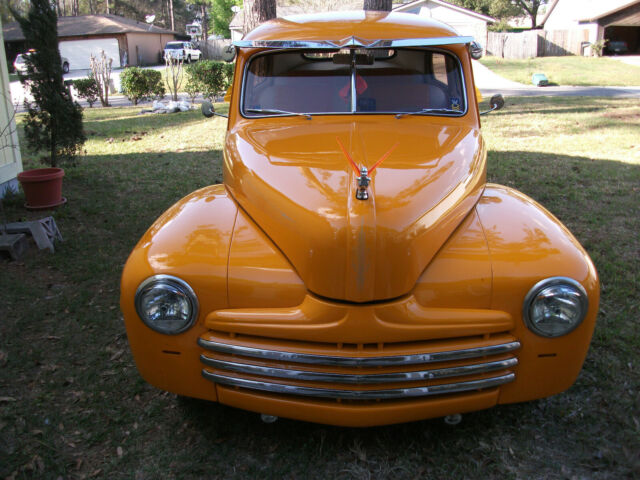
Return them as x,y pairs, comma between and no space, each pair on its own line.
363,179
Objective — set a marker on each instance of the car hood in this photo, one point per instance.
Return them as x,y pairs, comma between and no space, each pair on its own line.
292,178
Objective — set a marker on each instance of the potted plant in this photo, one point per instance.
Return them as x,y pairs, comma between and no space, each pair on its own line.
54,120
42,187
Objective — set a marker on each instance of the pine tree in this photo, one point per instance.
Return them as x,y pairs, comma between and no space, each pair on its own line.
54,120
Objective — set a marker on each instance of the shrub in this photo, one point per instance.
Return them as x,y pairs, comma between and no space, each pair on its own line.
87,88
598,47
140,84
209,77
192,87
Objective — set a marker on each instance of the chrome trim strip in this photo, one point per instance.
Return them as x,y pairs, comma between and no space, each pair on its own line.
359,379
384,361
353,43
359,394
354,91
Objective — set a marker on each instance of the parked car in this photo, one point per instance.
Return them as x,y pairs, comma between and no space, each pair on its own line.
617,47
20,63
184,51
355,267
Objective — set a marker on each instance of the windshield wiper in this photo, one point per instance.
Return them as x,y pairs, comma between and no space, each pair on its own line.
274,111
429,110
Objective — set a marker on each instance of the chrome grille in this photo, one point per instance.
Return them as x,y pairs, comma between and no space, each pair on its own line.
327,376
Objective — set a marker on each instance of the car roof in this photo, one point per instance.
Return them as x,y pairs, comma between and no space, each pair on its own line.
336,26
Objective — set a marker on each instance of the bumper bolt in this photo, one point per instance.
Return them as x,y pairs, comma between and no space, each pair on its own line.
268,418
454,419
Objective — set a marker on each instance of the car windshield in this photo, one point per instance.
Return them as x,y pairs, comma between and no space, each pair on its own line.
173,46
425,82
20,58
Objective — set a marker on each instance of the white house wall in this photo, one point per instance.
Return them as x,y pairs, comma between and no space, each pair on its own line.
464,24
10,160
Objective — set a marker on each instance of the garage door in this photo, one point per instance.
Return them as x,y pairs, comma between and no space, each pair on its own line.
79,51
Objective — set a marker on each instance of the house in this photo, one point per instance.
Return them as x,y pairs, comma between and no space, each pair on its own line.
126,41
466,22
10,161
613,20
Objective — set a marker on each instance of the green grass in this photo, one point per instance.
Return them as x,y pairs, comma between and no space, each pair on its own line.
72,404
570,70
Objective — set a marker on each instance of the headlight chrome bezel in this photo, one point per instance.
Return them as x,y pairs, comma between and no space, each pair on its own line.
175,283
544,285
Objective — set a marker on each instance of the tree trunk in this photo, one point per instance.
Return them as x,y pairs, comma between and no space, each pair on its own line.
205,22
380,5
257,12
173,25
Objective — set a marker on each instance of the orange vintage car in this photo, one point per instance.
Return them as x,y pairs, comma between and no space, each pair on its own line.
355,268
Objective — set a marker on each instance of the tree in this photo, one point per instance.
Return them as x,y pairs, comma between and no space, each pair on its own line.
380,5
257,12
530,7
503,9
222,16
54,120
101,73
7,6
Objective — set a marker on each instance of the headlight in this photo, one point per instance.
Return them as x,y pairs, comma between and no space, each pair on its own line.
166,304
555,306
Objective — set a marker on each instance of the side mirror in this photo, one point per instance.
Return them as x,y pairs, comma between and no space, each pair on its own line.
229,53
207,109
496,103
476,50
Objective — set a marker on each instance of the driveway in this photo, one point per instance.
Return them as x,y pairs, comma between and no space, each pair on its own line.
490,83
628,59
18,94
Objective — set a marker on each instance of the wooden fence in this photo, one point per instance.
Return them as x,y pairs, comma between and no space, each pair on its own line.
537,43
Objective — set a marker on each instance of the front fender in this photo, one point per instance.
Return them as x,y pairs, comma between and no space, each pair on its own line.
190,241
526,244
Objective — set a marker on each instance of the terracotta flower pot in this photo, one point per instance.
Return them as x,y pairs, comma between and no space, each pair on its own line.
42,188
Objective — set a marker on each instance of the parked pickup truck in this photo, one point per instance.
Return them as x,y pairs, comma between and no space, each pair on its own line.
184,51
355,267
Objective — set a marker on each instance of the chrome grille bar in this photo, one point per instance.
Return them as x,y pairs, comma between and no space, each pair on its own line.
358,394
359,379
383,361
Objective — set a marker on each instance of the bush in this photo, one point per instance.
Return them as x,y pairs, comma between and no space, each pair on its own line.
87,88
209,78
140,84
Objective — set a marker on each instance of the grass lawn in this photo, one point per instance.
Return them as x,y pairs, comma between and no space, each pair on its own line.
583,71
72,404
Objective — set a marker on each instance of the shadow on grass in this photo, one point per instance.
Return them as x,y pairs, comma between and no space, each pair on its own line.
558,105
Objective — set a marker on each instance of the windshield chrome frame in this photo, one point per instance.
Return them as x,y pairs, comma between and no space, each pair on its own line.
352,42
353,111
